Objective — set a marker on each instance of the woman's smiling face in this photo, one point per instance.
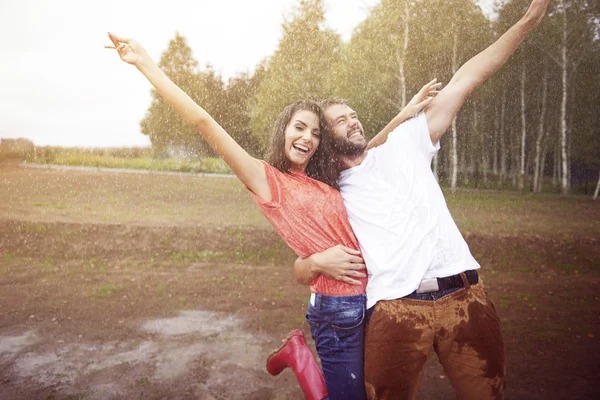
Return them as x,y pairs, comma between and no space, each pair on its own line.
302,138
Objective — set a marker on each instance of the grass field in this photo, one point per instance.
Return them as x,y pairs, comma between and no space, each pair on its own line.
149,286
146,162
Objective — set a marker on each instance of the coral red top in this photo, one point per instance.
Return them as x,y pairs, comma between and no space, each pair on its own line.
310,217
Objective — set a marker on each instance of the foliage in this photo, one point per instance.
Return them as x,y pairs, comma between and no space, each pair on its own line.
240,90
312,62
126,158
542,52
298,69
367,74
15,148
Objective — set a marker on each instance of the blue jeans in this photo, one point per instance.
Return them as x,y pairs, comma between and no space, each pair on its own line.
337,327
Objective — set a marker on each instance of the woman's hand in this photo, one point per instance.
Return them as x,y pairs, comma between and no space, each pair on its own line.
129,50
340,263
535,13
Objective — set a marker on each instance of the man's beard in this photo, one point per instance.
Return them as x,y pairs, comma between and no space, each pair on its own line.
345,147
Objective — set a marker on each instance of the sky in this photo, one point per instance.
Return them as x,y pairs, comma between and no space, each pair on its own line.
60,87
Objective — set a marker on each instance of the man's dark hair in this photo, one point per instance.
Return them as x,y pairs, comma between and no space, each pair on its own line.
319,165
325,104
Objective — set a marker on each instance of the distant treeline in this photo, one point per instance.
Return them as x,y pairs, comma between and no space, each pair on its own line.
52,153
16,148
126,158
536,123
534,126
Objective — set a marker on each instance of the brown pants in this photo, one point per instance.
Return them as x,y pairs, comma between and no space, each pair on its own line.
463,329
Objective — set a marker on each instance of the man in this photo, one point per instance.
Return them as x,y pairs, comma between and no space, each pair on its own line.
424,292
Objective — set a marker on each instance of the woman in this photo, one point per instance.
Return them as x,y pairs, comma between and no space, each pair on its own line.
296,192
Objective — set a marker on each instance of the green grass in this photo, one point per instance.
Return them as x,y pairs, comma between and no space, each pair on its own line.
193,201
278,295
523,213
33,227
299,320
82,158
161,290
568,268
144,381
48,204
240,255
94,265
105,291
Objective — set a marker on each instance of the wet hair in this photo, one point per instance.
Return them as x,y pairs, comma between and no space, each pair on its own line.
325,104
322,165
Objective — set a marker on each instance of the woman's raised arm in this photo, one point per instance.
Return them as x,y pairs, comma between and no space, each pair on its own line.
247,168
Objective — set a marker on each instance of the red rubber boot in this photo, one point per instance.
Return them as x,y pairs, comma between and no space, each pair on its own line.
295,354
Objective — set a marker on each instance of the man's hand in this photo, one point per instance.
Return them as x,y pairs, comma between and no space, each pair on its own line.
422,98
340,263
419,101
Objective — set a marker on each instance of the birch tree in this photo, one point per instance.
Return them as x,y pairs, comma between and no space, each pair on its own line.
563,104
453,151
523,129
538,169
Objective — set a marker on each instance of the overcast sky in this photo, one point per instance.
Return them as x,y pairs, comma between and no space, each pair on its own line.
60,87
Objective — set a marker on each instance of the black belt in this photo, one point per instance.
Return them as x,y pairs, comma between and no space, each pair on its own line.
448,282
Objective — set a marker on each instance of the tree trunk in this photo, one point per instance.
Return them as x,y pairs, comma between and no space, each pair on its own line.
436,157
538,169
401,55
463,158
454,135
495,141
556,169
523,131
514,159
503,155
563,107
448,164
538,189
475,169
484,153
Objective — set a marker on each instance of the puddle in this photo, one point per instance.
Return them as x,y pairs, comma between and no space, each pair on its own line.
10,345
110,369
202,323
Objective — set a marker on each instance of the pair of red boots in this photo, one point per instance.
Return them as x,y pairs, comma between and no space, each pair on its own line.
295,354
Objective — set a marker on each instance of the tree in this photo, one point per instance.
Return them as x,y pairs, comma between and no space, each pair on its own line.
562,47
297,70
538,165
169,134
168,131
240,91
378,67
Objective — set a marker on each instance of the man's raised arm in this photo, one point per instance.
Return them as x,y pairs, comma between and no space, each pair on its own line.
478,69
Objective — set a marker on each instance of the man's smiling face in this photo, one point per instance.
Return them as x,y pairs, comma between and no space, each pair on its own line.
346,130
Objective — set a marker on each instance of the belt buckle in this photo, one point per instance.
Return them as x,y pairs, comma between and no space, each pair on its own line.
428,285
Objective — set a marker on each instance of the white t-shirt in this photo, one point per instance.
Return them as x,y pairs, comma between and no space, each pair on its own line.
399,214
